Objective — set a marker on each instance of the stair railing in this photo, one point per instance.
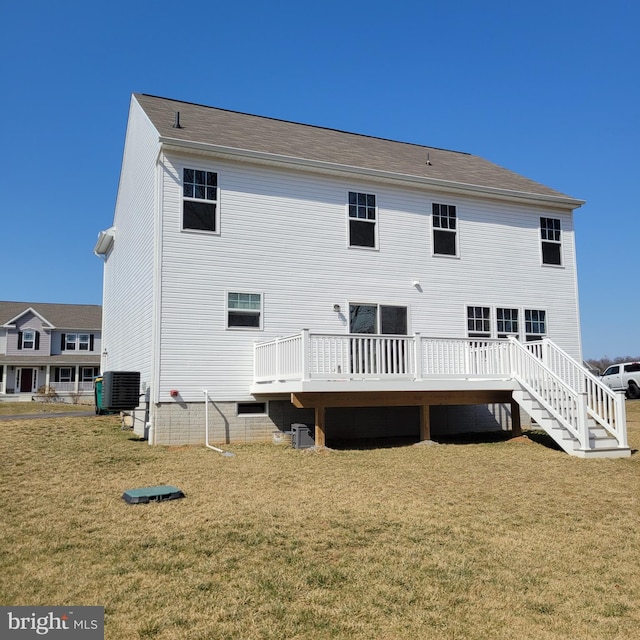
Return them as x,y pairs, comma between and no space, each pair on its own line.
606,407
565,404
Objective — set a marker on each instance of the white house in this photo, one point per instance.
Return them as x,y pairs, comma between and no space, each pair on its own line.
260,273
48,347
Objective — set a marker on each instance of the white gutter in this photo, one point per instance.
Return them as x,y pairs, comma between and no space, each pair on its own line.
331,167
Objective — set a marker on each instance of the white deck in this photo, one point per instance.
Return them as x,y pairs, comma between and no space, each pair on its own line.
563,397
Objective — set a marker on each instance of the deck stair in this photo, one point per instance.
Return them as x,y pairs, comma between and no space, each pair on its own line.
583,416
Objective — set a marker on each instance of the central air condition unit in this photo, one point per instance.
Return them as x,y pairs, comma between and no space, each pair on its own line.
120,390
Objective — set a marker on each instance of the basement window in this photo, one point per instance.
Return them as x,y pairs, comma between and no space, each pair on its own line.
246,409
551,243
200,200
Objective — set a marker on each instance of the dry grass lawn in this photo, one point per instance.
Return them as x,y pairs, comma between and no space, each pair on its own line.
26,408
490,540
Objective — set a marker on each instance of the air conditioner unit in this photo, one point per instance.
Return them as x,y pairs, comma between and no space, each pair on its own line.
120,390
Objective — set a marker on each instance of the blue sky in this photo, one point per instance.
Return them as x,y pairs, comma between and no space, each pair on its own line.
550,90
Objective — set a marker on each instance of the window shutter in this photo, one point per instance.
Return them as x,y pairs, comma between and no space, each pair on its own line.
37,344
91,342
62,341
19,339
73,374
56,374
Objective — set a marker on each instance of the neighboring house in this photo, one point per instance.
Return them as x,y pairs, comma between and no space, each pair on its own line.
47,346
296,274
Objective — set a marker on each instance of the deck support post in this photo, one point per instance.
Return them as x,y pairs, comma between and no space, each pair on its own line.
425,422
516,426
320,435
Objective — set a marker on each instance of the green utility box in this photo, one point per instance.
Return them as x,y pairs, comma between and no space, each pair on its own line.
99,398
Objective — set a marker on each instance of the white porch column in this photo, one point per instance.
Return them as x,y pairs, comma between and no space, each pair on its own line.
47,376
76,384
3,384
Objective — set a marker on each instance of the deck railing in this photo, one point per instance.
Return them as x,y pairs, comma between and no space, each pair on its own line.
569,391
363,356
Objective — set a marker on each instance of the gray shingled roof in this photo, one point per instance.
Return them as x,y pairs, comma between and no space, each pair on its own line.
61,316
209,125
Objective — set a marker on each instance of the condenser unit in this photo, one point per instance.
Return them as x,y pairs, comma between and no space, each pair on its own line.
120,390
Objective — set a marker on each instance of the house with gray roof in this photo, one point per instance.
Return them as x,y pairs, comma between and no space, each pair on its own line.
262,273
47,347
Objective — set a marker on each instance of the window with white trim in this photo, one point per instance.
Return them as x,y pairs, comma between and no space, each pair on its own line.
65,374
244,310
444,229
362,219
245,409
506,322
70,341
535,324
479,322
88,374
28,339
551,241
200,200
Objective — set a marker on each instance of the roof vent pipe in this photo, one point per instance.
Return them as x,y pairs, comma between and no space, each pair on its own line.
176,122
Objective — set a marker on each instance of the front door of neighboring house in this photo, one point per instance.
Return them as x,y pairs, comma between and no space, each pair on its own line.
27,379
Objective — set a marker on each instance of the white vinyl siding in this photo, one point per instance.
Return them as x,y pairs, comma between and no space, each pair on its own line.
284,238
128,303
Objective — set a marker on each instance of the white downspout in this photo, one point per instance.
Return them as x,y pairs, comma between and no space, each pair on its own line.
206,427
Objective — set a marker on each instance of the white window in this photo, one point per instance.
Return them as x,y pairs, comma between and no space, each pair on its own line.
245,409
535,324
83,341
244,310
479,322
71,339
88,374
444,229
200,200
65,375
362,220
551,242
28,339
506,322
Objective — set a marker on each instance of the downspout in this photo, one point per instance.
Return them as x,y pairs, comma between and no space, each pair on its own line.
206,428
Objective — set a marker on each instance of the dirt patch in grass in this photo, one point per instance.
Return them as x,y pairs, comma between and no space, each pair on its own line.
474,541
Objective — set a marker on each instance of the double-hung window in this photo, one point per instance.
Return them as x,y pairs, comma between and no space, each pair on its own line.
244,310
362,219
200,200
28,339
506,322
551,242
70,341
444,229
479,322
535,324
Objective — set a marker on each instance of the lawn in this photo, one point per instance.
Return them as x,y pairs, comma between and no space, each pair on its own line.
495,540
26,408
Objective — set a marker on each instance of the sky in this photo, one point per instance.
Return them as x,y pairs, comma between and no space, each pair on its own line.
550,90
